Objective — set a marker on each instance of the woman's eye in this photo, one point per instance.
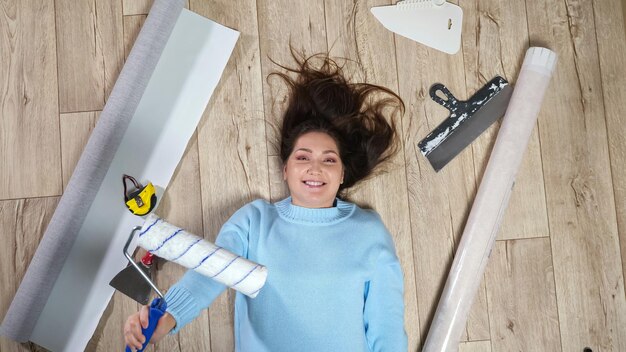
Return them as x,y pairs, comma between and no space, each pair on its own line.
331,160
301,158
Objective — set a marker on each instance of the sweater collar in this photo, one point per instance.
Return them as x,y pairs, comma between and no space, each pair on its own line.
314,216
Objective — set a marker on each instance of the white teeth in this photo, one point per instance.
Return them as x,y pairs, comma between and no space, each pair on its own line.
313,183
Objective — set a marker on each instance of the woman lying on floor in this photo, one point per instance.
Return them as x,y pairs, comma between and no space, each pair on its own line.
334,281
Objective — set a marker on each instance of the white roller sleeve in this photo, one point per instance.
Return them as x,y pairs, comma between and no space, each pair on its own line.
175,244
491,201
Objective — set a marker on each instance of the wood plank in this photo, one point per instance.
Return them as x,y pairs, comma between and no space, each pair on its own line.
12,346
439,202
495,39
136,7
612,54
281,23
354,34
278,187
75,131
110,36
623,10
90,52
23,222
581,207
29,127
475,346
132,26
231,142
522,297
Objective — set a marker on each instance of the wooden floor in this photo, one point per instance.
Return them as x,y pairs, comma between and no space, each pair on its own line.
555,280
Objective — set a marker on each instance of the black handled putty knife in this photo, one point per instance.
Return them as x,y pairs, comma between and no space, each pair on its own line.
467,120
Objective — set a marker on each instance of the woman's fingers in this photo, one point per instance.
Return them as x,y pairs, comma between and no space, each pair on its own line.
144,315
132,341
133,335
132,332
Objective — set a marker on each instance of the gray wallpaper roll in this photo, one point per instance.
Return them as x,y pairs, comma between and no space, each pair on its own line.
90,171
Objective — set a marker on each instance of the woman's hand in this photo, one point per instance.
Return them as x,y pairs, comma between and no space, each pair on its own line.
132,329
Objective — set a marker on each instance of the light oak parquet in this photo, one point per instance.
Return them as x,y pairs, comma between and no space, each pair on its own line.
136,7
579,194
281,24
475,346
22,222
132,26
612,55
29,113
521,296
556,273
614,5
90,52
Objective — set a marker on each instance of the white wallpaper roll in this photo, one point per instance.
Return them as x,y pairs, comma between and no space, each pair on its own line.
175,244
149,118
491,201
60,255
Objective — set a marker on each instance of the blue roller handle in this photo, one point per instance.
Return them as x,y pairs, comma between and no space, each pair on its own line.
157,309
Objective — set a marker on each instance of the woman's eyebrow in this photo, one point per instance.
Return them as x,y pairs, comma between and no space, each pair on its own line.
324,152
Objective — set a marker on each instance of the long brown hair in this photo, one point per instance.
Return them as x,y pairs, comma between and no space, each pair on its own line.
322,100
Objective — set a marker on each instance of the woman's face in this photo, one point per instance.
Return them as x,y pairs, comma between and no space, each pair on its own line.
314,171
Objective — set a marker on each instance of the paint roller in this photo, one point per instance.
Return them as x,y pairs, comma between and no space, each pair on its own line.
179,246
491,201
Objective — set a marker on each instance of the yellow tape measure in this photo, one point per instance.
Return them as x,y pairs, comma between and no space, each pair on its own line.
142,199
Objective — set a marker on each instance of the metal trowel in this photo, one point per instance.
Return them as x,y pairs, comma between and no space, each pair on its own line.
130,282
467,120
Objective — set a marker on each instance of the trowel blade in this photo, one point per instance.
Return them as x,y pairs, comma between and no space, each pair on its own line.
130,282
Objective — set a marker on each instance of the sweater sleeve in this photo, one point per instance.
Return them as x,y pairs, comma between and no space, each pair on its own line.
384,303
195,292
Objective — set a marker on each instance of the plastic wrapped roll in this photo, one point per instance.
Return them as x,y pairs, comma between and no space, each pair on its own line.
491,201
176,245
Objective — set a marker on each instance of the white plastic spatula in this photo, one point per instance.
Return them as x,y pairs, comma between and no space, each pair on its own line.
435,23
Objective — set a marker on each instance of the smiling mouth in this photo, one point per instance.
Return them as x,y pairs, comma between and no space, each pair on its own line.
314,183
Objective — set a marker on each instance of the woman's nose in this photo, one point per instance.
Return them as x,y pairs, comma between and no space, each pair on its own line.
314,168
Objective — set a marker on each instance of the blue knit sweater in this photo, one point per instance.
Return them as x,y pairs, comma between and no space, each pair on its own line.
334,282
